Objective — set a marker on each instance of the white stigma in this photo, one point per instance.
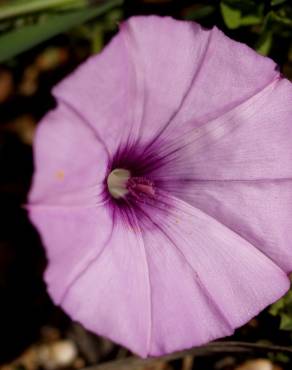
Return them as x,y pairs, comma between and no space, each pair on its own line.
117,182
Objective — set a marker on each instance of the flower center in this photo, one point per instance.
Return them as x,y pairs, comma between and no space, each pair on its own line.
120,183
117,182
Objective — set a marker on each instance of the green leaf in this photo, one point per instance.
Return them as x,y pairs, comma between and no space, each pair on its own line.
277,307
16,8
230,15
277,2
19,40
264,43
234,18
242,4
199,12
97,40
283,19
286,322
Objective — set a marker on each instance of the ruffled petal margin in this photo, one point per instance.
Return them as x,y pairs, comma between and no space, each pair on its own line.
184,281
250,142
70,162
265,216
163,74
206,280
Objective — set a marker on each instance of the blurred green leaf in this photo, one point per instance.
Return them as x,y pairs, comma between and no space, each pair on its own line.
234,17
242,4
16,8
264,43
230,15
200,12
265,40
246,7
97,40
286,322
277,2
277,307
24,38
279,357
283,309
282,17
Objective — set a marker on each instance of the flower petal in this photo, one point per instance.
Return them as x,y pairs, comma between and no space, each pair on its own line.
209,72
103,92
73,237
250,142
190,279
265,217
70,162
258,146
112,297
179,277
205,279
162,70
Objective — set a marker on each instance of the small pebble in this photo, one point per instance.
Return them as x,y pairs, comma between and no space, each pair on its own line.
258,364
59,354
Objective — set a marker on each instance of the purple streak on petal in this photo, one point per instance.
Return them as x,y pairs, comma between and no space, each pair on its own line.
150,79
160,271
71,237
133,36
106,94
118,280
130,157
265,217
70,163
205,274
250,142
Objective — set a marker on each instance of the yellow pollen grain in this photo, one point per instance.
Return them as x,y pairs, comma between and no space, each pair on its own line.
60,175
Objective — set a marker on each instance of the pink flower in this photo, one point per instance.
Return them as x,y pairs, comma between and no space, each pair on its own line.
162,189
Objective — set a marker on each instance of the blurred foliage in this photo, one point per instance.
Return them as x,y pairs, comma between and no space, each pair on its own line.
263,22
16,8
259,23
24,24
265,25
273,18
283,310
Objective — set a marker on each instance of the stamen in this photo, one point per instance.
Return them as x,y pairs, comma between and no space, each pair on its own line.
121,184
140,186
